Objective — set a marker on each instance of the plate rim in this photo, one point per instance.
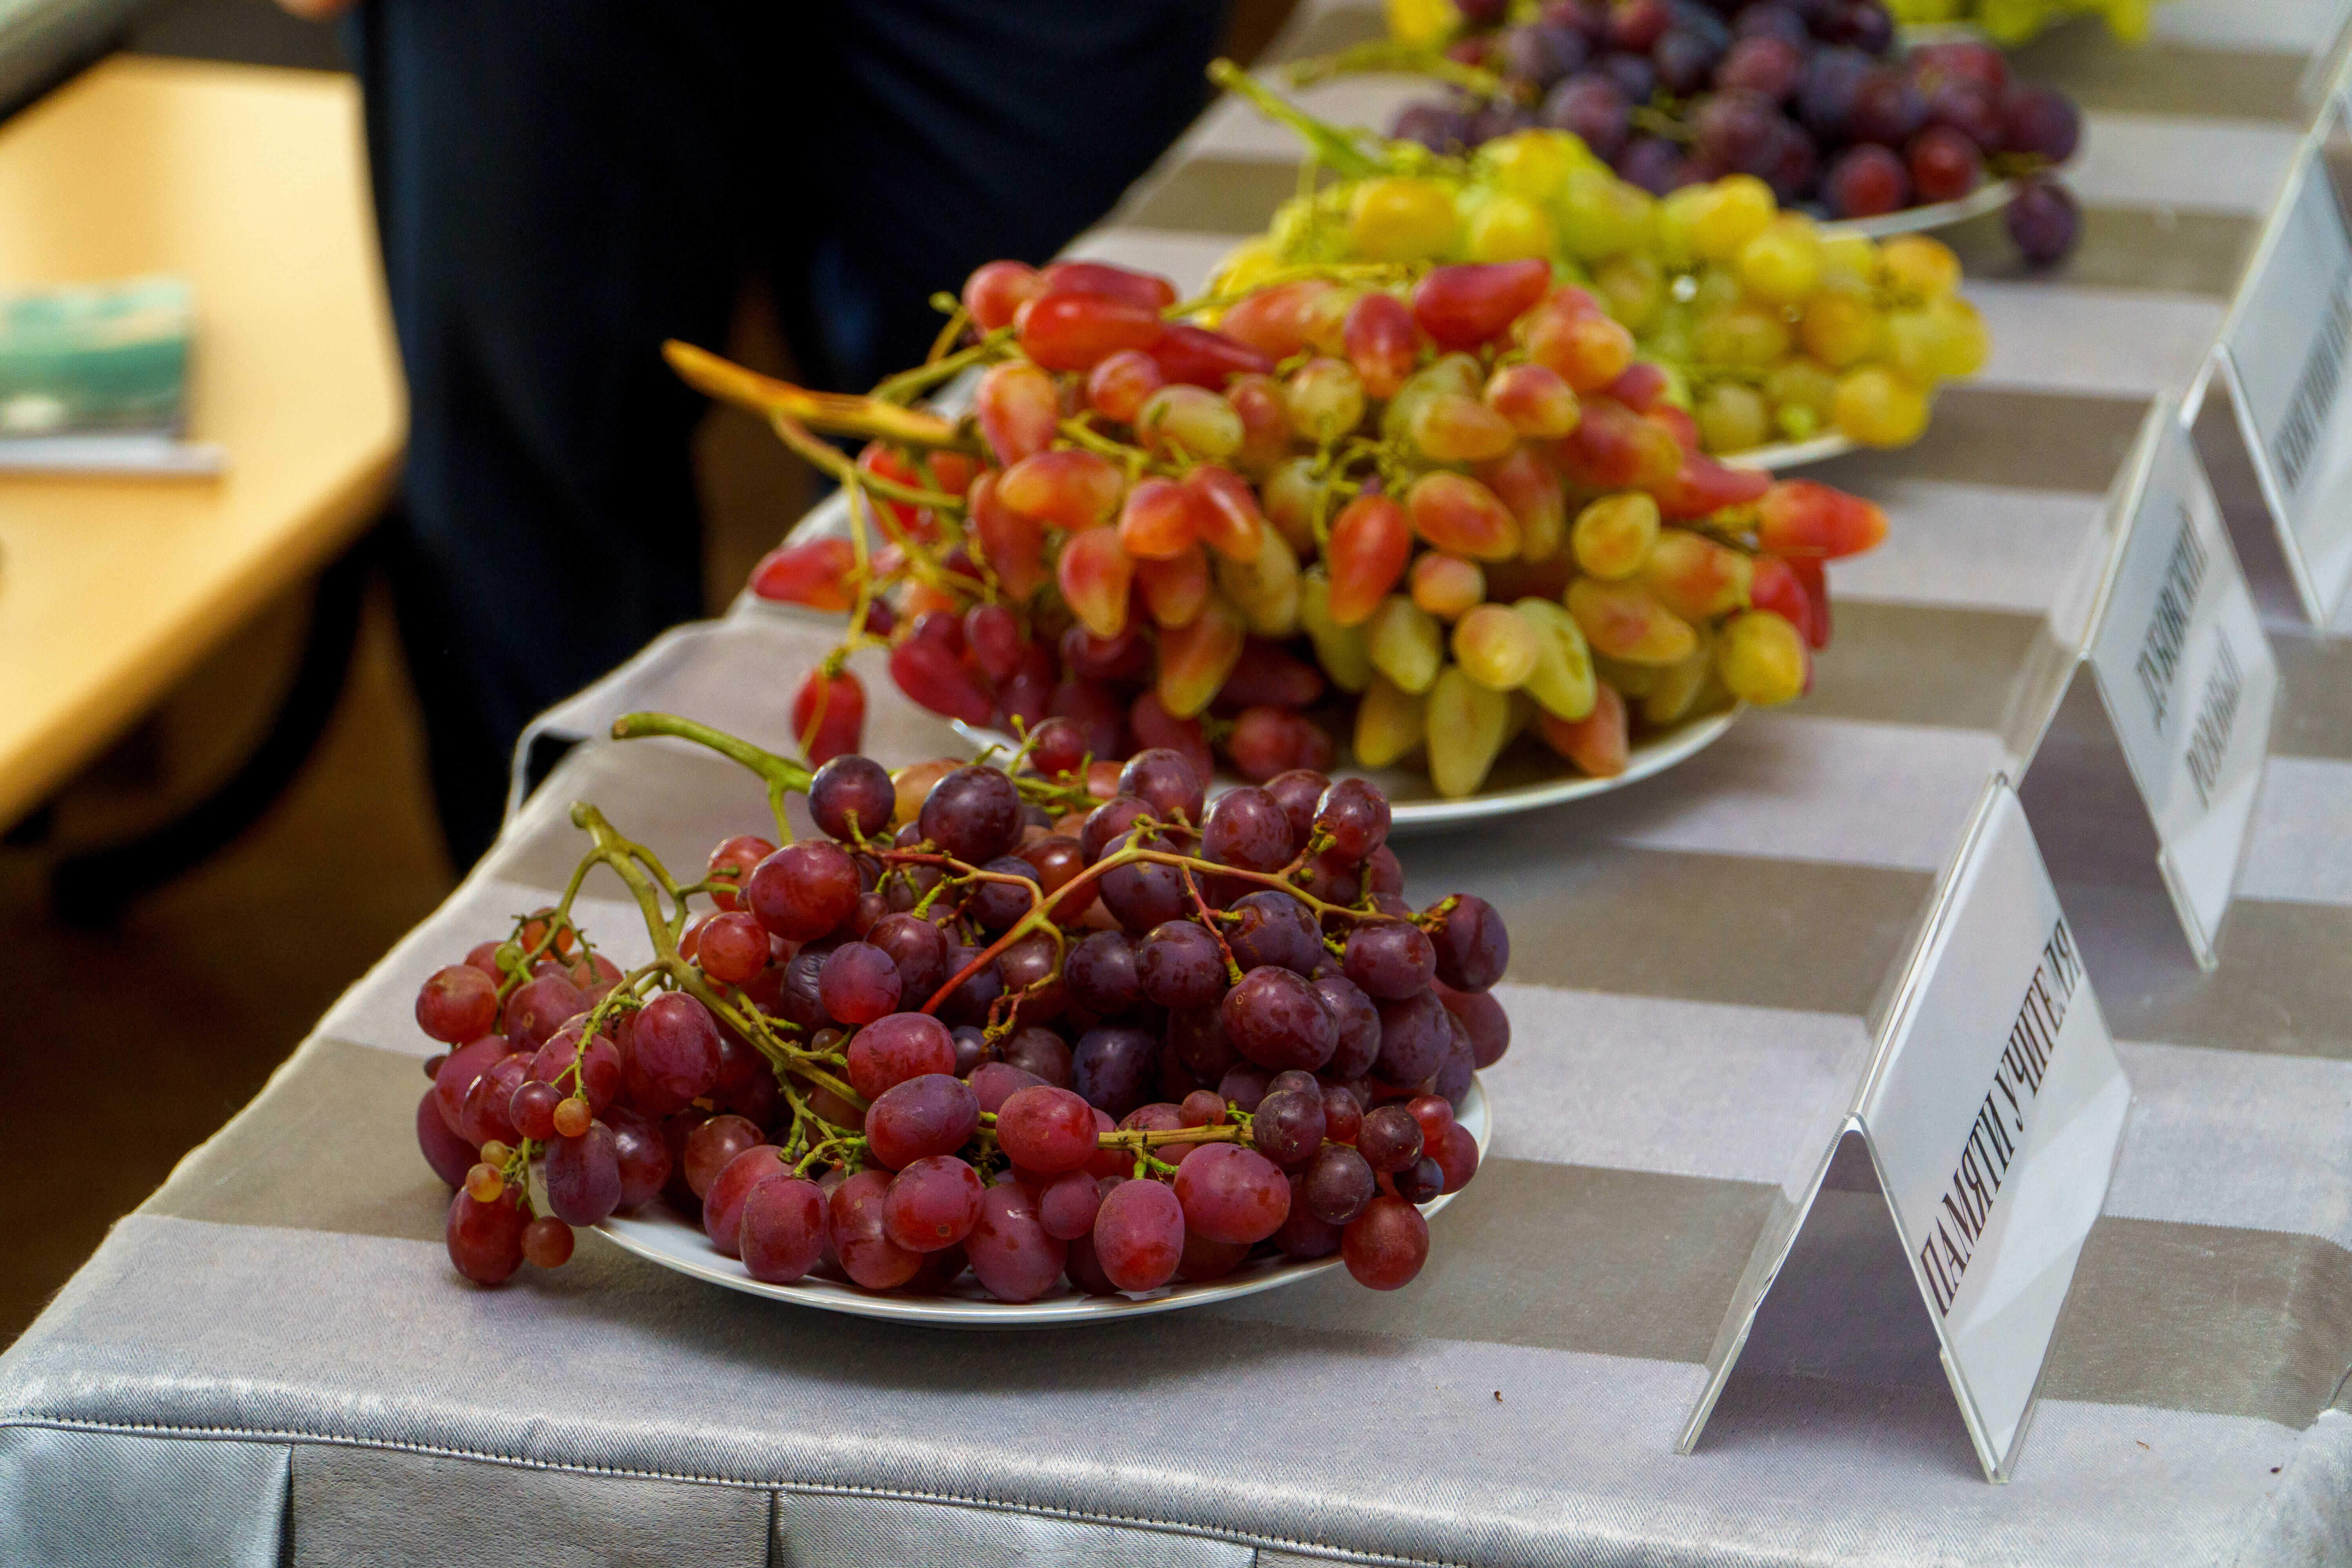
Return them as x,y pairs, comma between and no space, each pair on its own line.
1075,1310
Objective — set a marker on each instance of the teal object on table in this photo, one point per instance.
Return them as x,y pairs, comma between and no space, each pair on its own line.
109,357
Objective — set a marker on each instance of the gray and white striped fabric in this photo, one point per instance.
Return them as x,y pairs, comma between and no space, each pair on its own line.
272,1363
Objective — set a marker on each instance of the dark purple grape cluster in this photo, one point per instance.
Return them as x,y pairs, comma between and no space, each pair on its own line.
1809,95
993,1022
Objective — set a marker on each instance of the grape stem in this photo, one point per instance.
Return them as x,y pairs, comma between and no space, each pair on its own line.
781,775
848,414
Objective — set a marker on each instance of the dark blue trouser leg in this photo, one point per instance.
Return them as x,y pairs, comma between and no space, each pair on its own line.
562,183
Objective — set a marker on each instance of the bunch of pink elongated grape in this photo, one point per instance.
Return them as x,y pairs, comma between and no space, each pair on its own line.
1010,1030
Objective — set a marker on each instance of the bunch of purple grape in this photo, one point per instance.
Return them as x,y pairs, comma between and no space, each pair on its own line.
1030,1033
1807,95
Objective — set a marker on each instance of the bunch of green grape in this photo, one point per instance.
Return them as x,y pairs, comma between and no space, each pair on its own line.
1770,326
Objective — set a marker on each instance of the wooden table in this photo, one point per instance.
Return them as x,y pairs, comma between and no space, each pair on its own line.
252,183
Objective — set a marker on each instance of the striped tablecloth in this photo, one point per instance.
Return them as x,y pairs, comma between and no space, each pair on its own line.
271,1362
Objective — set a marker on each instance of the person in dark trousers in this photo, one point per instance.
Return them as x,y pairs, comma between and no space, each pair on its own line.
561,185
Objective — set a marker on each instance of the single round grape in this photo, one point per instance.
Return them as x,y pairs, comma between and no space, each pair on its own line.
1304,1234
896,1047
674,1044
2040,121
969,1000
1767,66
1298,792
532,1110
1945,164
1383,872
572,1116
1166,782
1390,960
1244,1085
449,1155
1056,861
1386,1244
457,1003
855,1225
1288,1127
1100,974
1419,1182
852,795
1271,927
1473,947
1686,58
919,948
1390,1139
779,1234
1202,1107
484,1239
1296,1081
1433,125
722,1205
1035,1050
1489,1027
1178,964
712,1146
1197,1037
994,1083
1355,1022
1275,1019
547,1242
1343,1116
486,1112
1012,1255
540,1007
1046,1130
1159,1117
1113,1067
732,948
484,1179
972,1049
994,906
973,814
731,862
1248,829
932,1203
1058,748
1432,1115
1067,1206
799,989
933,1114
2043,221
1232,1194
1356,815
1825,97
803,890
1339,1183
583,1175
1887,109
1456,1156
1139,1235
1145,894
859,984
1110,822
1592,108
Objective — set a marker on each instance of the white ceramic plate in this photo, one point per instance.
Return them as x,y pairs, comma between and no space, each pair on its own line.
1783,454
1991,196
1524,778
660,1235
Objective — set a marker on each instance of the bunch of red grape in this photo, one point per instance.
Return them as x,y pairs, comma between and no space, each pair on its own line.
1465,501
1808,95
1006,1029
